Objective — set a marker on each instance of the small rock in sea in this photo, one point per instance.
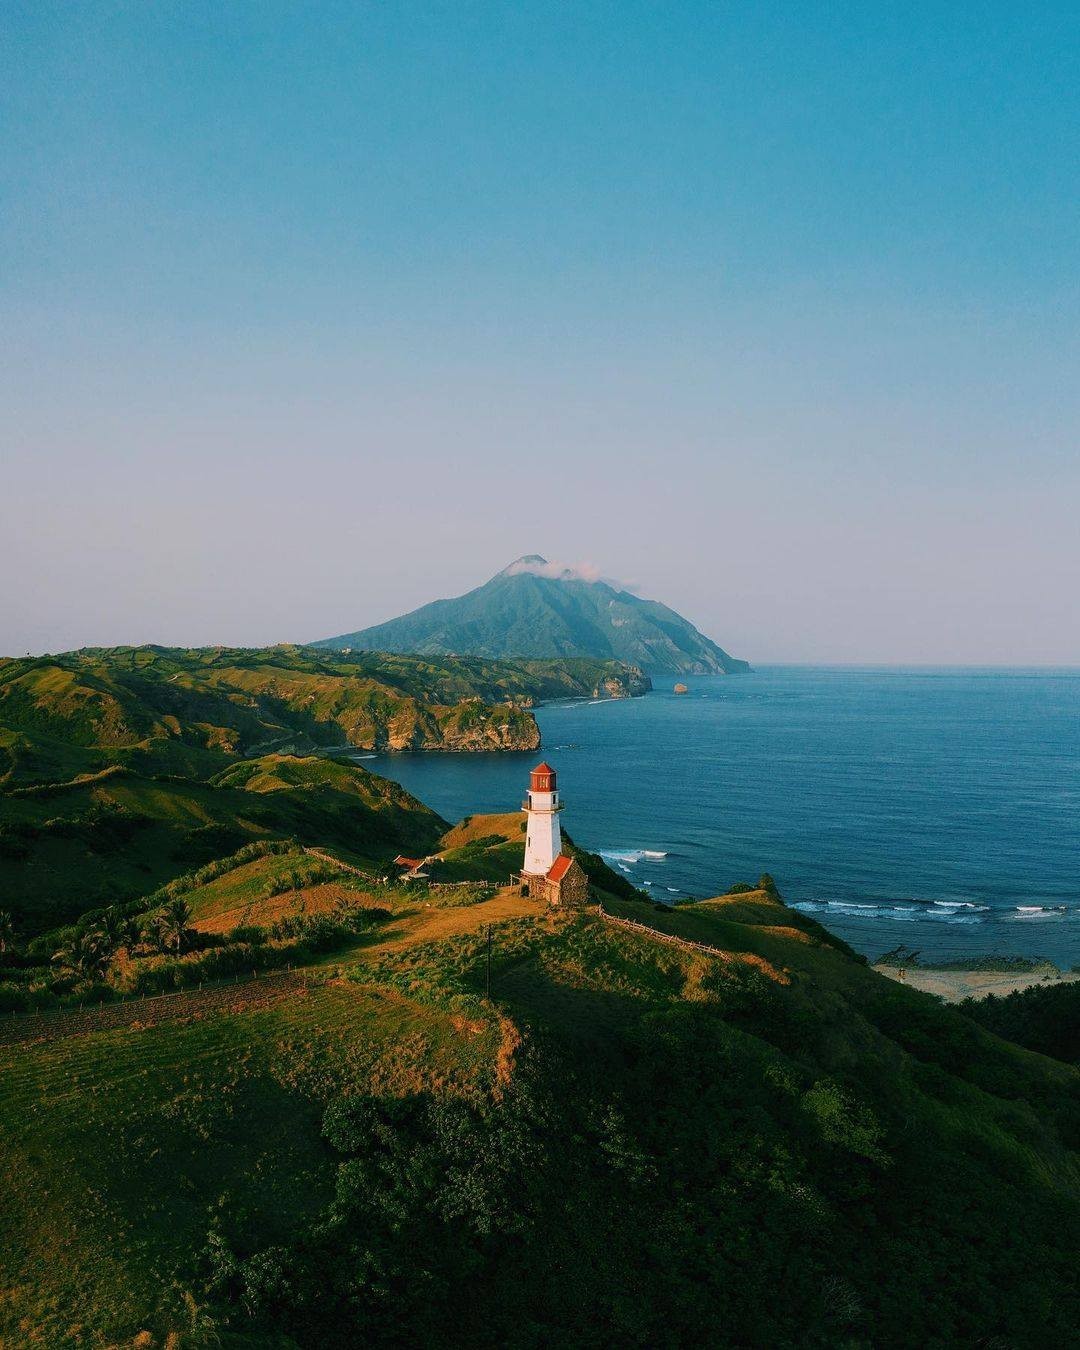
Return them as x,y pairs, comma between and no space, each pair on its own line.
681,689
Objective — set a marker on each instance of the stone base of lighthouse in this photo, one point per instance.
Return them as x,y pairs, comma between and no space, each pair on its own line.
564,884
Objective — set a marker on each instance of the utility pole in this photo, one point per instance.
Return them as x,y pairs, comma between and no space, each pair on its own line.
488,982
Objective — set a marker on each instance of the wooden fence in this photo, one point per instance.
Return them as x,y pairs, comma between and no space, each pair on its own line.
656,933
336,862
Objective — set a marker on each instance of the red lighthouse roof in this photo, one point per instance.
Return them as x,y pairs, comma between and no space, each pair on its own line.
542,778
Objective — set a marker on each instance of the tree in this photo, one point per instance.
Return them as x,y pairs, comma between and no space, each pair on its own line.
120,929
171,924
7,931
86,956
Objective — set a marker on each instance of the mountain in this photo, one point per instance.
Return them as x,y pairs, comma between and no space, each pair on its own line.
533,609
486,1124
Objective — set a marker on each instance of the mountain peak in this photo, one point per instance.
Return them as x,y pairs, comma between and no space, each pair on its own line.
528,563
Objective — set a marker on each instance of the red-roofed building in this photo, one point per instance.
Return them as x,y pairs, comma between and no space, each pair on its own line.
560,867
564,883
411,867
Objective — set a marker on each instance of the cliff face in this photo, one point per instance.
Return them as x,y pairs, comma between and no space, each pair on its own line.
630,682
471,725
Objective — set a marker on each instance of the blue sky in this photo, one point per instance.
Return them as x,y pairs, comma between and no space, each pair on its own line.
314,313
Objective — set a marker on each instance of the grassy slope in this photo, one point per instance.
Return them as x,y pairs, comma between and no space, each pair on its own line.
115,1148
243,896
119,838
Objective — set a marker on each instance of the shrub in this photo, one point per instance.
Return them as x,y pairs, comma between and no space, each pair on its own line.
250,933
14,998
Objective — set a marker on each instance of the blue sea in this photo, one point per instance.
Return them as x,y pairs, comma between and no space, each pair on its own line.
937,808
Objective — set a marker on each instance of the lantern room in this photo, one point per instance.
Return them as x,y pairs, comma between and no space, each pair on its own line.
542,779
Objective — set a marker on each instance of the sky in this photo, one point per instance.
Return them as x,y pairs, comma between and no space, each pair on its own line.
310,314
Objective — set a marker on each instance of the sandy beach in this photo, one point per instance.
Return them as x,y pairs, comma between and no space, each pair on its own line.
954,985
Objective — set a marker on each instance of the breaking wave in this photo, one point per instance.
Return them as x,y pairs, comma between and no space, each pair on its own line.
632,855
936,911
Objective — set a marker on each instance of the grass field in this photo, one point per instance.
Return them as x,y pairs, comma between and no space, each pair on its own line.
118,1145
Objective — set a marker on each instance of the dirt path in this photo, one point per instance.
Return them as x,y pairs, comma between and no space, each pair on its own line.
433,923
954,985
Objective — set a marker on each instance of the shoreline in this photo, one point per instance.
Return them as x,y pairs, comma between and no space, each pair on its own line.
956,985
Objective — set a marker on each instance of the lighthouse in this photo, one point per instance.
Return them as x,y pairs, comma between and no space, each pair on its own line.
549,873
543,837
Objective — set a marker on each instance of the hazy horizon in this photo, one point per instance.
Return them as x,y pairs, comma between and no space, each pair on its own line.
312,317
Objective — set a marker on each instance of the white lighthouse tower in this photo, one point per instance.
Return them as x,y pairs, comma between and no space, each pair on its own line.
543,837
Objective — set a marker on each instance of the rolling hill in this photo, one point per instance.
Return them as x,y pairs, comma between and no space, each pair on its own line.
526,611
705,1126
185,711
117,836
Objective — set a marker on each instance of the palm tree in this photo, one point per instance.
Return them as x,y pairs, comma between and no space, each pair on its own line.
120,929
87,955
172,924
109,926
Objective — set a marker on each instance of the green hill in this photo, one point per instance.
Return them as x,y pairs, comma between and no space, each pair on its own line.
632,1142
121,768
525,611
179,711
111,840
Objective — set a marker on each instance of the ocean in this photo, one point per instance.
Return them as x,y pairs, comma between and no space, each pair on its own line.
937,808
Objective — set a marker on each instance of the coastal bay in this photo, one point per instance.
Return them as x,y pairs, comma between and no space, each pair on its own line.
930,807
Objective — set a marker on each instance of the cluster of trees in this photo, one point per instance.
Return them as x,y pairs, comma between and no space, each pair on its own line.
1045,1018
85,959
307,872
89,952
702,1192
85,952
